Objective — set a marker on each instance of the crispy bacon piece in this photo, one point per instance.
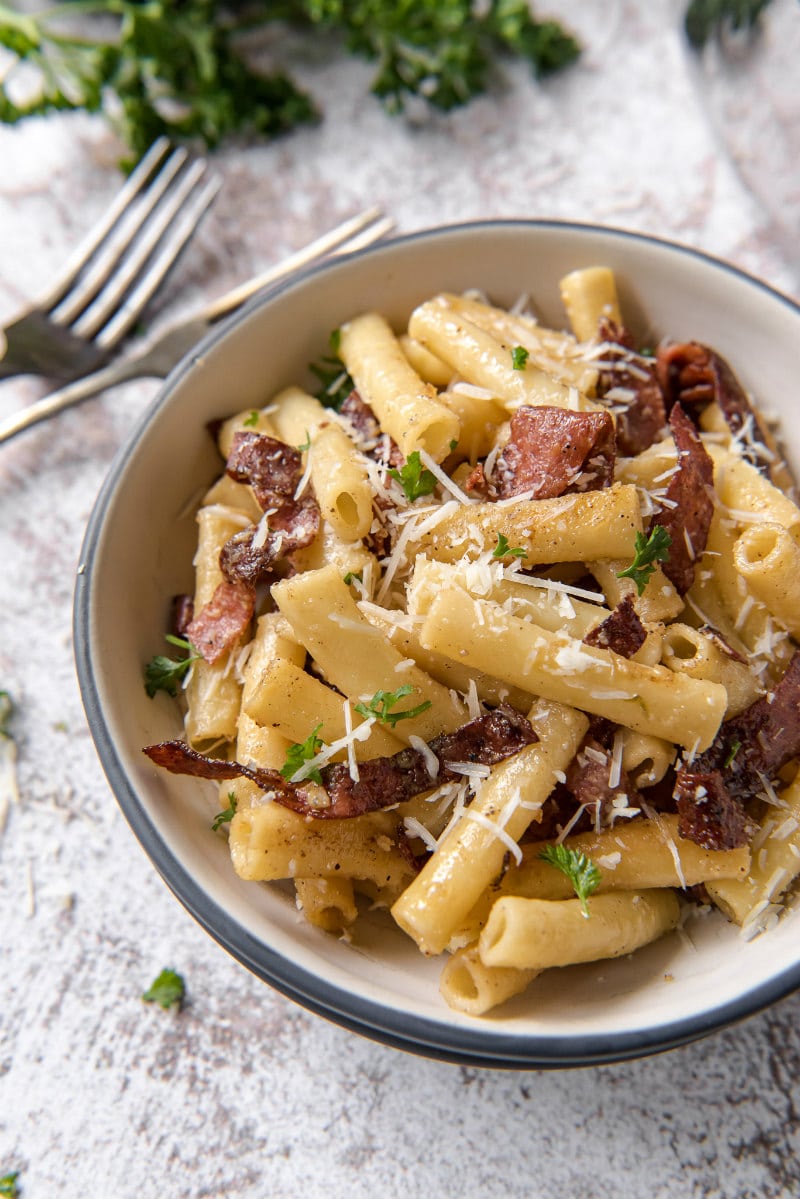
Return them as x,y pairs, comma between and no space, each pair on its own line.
707,813
476,481
748,749
622,631
693,375
687,515
372,441
222,621
552,451
587,778
274,470
641,417
382,782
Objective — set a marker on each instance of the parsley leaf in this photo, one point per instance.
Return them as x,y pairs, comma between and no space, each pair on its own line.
580,870
504,550
519,358
297,754
353,574
8,1185
306,446
382,702
733,750
649,550
164,674
6,712
227,814
251,421
166,990
335,383
415,480
706,19
453,444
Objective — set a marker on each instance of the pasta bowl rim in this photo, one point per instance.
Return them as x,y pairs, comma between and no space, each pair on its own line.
413,1032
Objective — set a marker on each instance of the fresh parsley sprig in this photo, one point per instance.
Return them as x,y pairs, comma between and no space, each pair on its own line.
8,1185
381,706
580,870
414,478
227,814
504,550
251,420
335,384
164,674
706,19
648,551
519,358
166,990
301,752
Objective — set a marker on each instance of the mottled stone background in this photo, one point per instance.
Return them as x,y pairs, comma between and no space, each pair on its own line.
242,1093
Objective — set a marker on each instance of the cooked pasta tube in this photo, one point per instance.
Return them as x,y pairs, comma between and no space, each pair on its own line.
587,295
551,605
468,985
658,602
471,855
480,359
230,494
636,855
427,365
327,903
536,934
768,559
294,703
647,699
213,693
270,842
327,549
338,474
480,419
355,657
691,651
763,442
646,759
569,528
406,407
743,489
774,867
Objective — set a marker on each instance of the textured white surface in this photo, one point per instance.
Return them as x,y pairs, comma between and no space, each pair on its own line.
242,1093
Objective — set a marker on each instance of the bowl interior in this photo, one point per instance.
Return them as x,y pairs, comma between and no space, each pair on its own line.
138,553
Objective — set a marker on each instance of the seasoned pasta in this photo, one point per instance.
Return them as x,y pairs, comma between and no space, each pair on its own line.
504,642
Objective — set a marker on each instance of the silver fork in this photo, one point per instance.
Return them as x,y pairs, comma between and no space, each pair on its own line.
162,352
106,282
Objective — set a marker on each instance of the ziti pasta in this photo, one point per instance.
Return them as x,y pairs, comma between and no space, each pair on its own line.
498,631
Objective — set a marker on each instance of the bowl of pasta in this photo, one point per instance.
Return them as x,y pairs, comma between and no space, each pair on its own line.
437,626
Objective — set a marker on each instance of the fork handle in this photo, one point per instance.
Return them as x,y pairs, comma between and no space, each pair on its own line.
67,397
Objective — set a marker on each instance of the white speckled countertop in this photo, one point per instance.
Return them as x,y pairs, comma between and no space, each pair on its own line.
243,1094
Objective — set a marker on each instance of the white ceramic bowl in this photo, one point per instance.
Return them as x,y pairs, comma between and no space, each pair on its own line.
138,552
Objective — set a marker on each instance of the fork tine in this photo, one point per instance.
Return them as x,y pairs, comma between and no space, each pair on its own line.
96,236
120,239
179,234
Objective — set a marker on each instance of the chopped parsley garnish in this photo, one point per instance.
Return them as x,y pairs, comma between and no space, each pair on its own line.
733,750
8,1185
297,754
164,674
252,420
306,444
335,340
454,444
649,551
335,383
6,711
519,358
353,574
705,19
580,870
227,814
167,990
381,705
415,480
504,550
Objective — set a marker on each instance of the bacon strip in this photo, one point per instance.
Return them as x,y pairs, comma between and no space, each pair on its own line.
382,782
552,451
687,515
622,631
693,375
748,749
221,622
707,813
642,417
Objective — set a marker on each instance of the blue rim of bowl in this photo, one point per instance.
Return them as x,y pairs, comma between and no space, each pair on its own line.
415,1034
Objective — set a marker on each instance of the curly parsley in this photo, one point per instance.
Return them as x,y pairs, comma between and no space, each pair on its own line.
648,551
581,871
167,990
415,480
519,358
